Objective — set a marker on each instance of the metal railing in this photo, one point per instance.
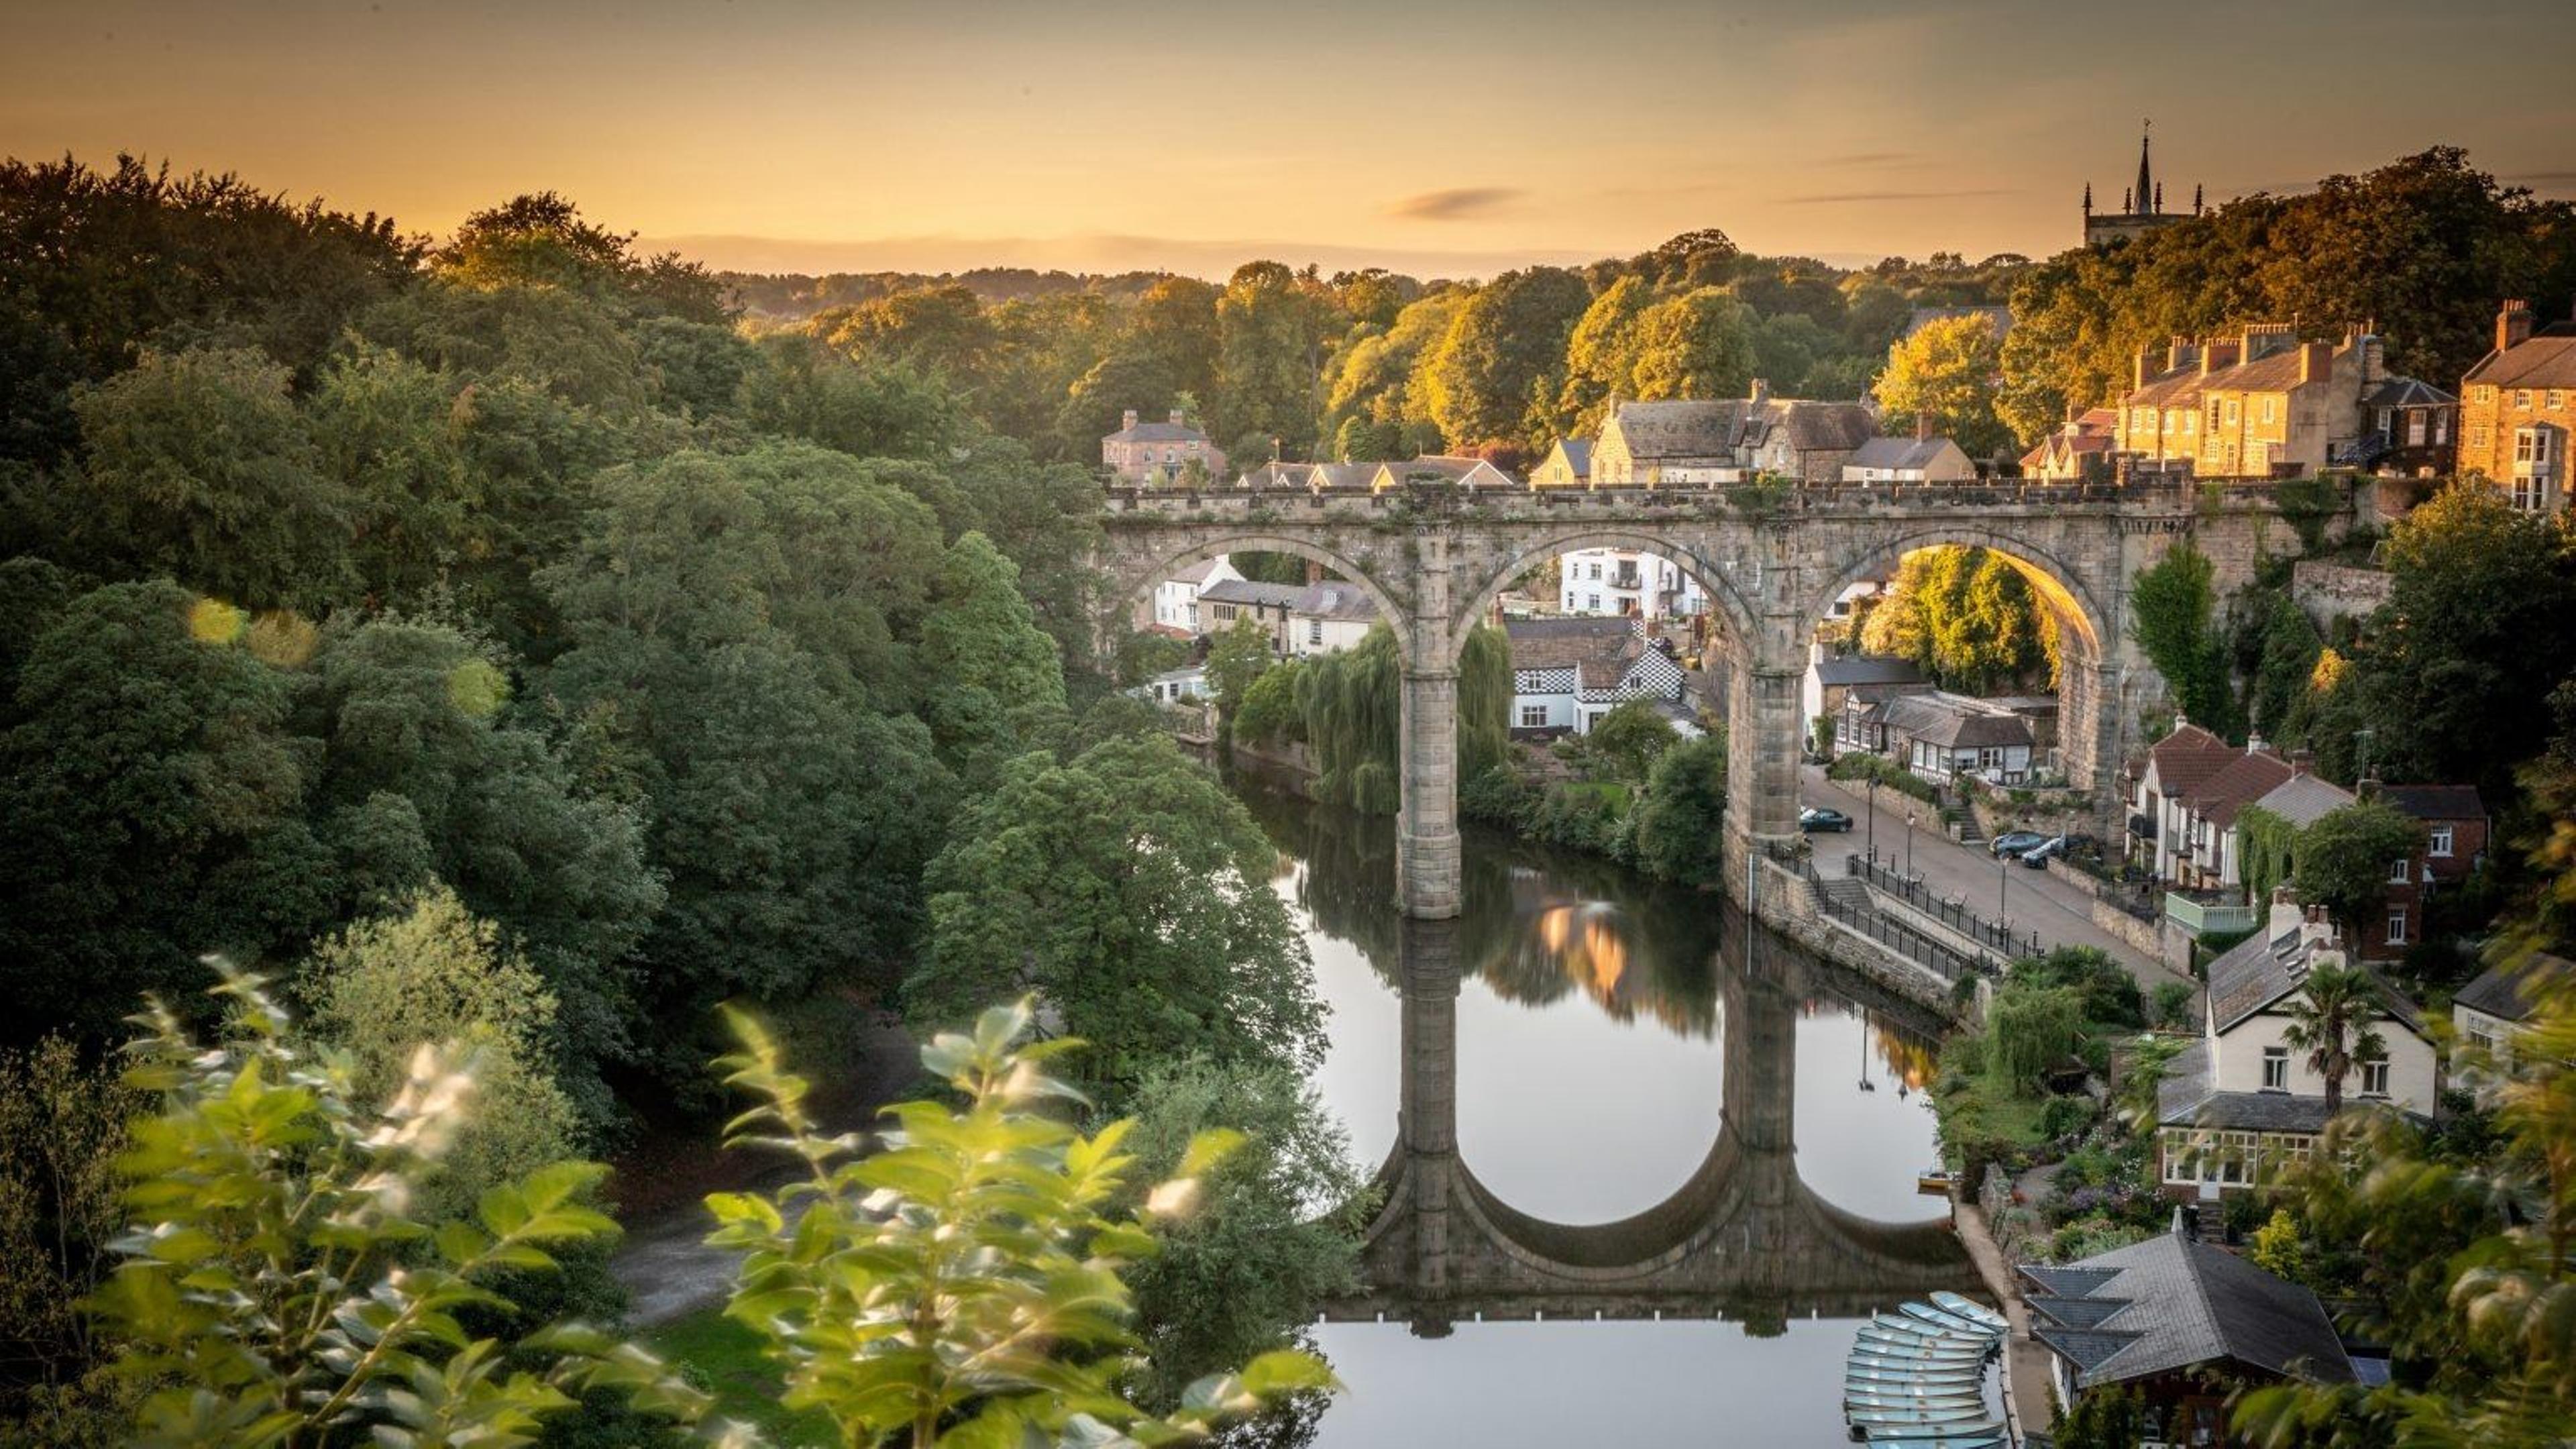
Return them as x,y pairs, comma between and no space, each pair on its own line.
1951,913
2202,917
1936,956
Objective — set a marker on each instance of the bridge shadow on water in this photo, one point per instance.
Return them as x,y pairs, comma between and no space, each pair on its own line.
1743,1237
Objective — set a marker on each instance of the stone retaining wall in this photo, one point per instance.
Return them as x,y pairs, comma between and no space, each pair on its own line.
1787,904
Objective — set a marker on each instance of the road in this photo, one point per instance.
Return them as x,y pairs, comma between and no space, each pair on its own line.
2033,900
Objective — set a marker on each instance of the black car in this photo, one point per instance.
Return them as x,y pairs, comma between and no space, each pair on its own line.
1817,818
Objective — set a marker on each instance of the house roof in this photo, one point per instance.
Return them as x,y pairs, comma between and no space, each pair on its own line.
1901,454
1811,426
2304,799
2186,757
2436,802
2267,966
1341,475
1566,643
1197,573
1333,599
1577,453
2165,389
2185,1302
2547,358
1446,468
1250,591
1952,722
2505,991
1701,429
1279,475
1157,433
2236,784
2407,392
1851,669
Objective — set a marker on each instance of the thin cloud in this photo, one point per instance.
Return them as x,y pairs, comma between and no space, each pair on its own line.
1462,203
1873,158
2544,177
1840,198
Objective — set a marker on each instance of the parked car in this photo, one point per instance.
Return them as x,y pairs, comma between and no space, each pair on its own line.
1817,818
2037,856
2014,842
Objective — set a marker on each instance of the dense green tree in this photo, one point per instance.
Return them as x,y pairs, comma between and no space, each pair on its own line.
1601,355
1967,616
1497,372
1130,892
1277,1231
938,330
1270,331
1947,372
541,242
156,804
1238,655
2172,618
63,1116
1630,739
1696,345
2342,860
199,467
1000,689
1681,819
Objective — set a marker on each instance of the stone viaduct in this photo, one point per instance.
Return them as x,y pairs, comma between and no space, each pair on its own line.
1771,559
1744,1239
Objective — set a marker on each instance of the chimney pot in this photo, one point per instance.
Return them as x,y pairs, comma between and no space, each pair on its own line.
1922,427
1128,419
2513,324
1761,392
1176,417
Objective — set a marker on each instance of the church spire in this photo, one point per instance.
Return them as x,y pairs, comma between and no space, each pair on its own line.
2146,182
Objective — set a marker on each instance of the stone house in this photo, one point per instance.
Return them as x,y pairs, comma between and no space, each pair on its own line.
2258,404
2491,1011
1833,681
1221,604
2518,405
1908,460
1159,453
1941,736
2184,1325
1700,442
1328,617
2078,452
1567,673
1624,582
2241,1103
1568,464
1470,474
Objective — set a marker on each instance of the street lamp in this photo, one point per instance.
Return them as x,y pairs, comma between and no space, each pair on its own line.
1873,819
2003,883
1909,842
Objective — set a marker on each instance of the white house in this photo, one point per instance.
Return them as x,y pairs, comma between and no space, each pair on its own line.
1908,460
1568,673
1175,686
2498,1006
1329,616
1833,678
2175,766
2241,1102
1176,599
1625,581
1939,735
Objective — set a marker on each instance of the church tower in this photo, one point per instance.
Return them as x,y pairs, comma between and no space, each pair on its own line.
2142,207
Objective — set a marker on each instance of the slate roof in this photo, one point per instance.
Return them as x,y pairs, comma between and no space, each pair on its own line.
1157,433
1901,454
1341,475
1280,475
1702,429
1811,426
2436,802
2180,385
2304,799
2067,1281
1951,722
1197,573
2406,392
2502,991
1334,600
2547,358
1578,455
1850,669
2185,1302
1566,643
2264,967
1250,591
1450,469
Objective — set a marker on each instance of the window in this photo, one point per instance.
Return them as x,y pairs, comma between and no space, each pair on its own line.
2374,1078
2531,451
2268,405
2483,392
1592,601
1533,716
2478,436
1314,631
1596,571
2397,871
2530,495
2231,411
2481,1041
2276,1069
2384,419
2557,399
2441,428
2396,925
2414,427
2522,398
2439,844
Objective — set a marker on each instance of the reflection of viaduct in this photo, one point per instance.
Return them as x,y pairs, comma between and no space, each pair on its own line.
1744,1238
1771,561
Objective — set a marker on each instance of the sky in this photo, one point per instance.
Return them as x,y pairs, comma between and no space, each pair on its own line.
1441,137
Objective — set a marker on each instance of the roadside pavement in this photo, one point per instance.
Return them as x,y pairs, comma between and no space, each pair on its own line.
2031,900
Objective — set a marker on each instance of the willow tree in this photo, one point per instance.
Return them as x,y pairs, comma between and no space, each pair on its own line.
1352,703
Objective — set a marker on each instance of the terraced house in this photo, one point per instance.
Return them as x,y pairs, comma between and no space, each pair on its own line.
2264,404
2518,406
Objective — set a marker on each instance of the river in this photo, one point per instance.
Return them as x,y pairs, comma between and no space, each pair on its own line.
1590,1081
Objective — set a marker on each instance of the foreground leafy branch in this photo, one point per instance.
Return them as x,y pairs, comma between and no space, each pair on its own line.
961,1287
279,1286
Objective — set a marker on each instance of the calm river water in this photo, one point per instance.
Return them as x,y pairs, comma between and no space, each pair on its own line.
1589,1080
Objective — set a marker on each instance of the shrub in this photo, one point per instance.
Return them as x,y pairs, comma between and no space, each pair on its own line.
2065,1116
2173,1004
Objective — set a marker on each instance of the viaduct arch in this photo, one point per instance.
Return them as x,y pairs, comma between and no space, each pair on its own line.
1433,555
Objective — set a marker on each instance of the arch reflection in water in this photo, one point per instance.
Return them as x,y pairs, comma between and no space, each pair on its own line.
1744,1238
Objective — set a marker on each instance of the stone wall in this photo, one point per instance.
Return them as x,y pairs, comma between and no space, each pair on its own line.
2330,592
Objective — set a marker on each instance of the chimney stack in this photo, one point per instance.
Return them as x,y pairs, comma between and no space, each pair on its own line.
1922,427
2513,324
1176,417
1127,420
2302,761
1761,391
2316,361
